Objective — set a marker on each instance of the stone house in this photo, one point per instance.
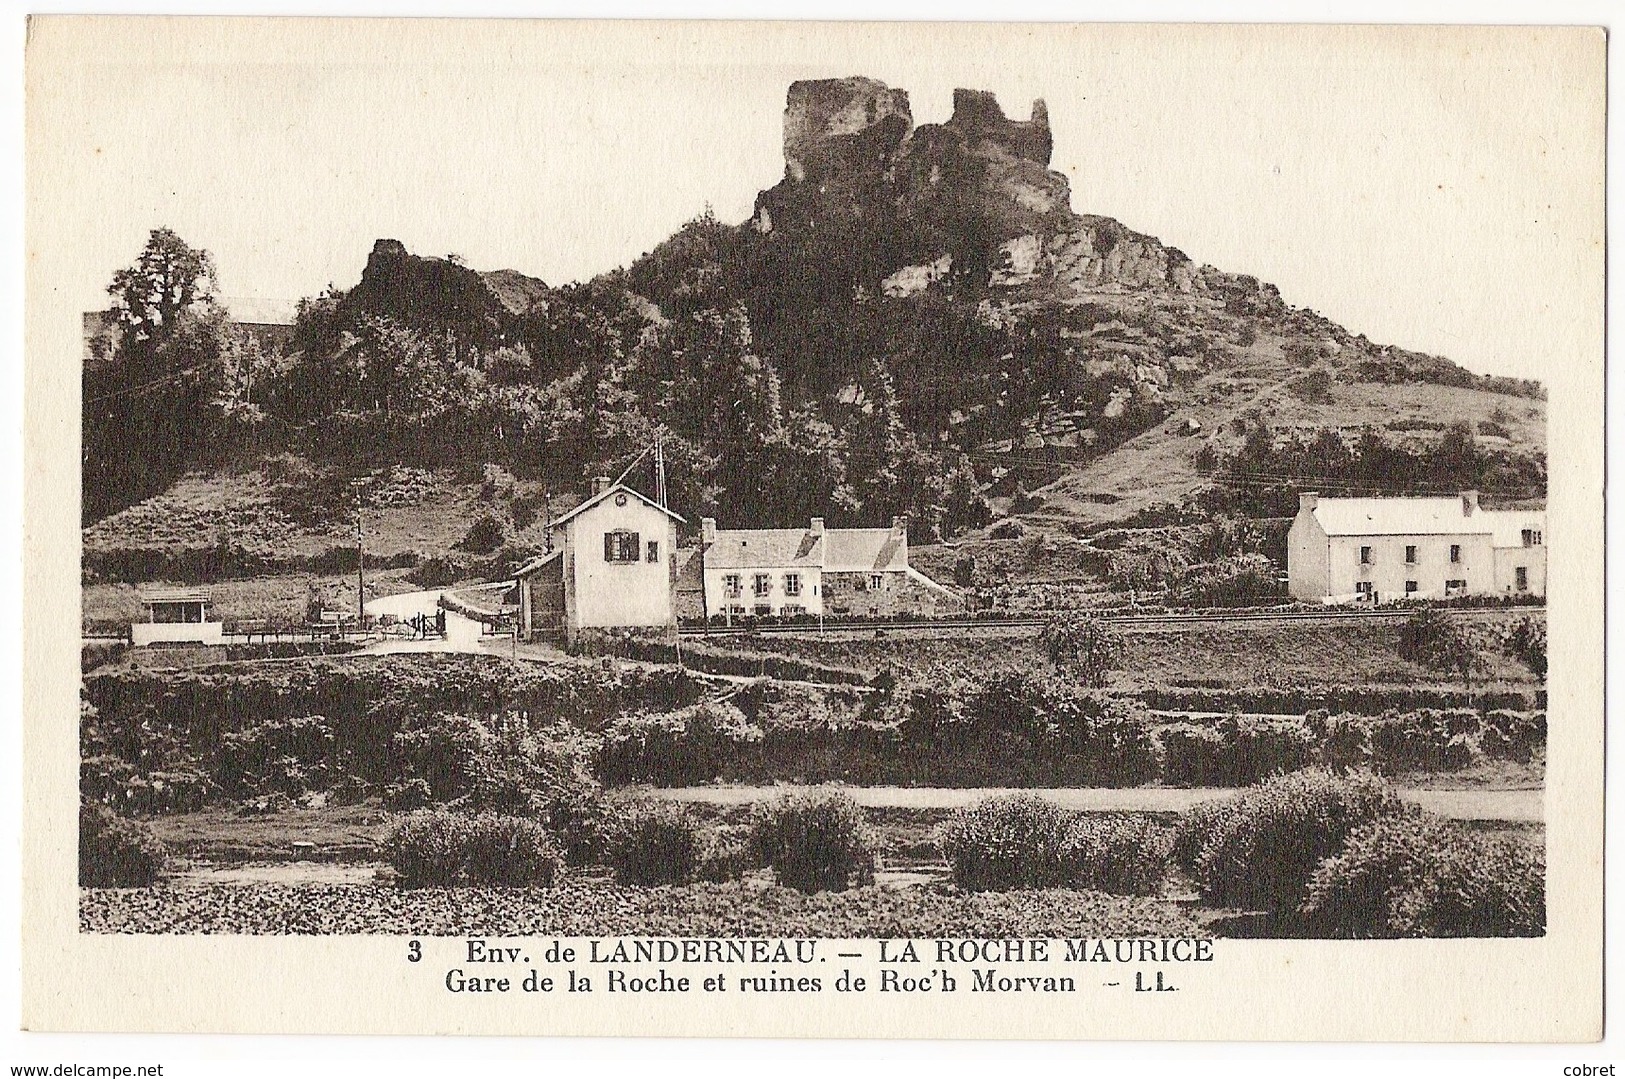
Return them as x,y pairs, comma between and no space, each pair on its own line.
1377,549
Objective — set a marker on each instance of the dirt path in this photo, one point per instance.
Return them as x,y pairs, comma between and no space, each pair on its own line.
1522,806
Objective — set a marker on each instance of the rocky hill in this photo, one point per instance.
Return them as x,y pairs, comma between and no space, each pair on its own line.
914,319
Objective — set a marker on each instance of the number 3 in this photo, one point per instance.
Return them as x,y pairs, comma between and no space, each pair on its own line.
414,951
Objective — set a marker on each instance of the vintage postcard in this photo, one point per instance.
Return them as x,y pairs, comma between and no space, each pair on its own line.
911,530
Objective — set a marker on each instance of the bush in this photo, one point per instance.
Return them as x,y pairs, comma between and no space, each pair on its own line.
116,852
1420,876
1509,735
287,756
1235,751
1117,853
484,535
727,854
1258,849
442,848
1007,841
674,749
1419,742
1084,646
815,841
655,843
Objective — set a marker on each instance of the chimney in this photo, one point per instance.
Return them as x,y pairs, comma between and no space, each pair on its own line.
1469,503
817,526
708,530
1307,501
600,484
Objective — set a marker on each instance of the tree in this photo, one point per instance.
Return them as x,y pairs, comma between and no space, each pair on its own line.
1084,646
1433,640
168,278
154,403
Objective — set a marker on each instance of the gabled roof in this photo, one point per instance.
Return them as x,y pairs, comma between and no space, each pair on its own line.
765,548
619,487
865,550
1398,517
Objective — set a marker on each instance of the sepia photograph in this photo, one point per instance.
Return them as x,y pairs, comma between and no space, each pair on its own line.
707,506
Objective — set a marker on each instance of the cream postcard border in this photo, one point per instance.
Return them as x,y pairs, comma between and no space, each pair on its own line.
1537,990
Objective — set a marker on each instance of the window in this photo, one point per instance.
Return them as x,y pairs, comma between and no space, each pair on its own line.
736,609
1455,552
1410,586
1521,577
653,551
1451,587
790,610
763,584
1363,588
875,582
1531,537
1365,556
621,546
732,588
763,610
792,584
1410,554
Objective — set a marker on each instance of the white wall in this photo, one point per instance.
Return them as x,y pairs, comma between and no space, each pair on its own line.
176,632
1388,571
1507,559
1306,554
717,601
602,594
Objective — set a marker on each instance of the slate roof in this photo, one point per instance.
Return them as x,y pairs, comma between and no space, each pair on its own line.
1423,517
766,548
597,498
865,550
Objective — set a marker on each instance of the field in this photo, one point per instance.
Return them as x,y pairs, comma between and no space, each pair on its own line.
1279,654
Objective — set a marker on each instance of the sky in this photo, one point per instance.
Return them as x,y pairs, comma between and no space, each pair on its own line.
1436,190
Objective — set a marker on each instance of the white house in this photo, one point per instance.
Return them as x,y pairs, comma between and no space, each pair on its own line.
612,565
843,572
1377,549
176,616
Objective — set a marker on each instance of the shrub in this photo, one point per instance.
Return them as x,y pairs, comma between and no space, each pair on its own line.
675,749
484,535
116,852
1084,646
1526,641
1193,754
1258,849
443,848
1420,742
1007,841
1512,735
815,841
727,854
1420,876
288,756
655,843
1118,853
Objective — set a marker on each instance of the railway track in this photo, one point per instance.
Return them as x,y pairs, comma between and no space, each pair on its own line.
1125,621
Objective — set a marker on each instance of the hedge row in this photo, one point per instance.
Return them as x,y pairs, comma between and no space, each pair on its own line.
1364,700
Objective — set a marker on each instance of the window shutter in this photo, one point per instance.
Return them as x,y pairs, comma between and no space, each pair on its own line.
609,546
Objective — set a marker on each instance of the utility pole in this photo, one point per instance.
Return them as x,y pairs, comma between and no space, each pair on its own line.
360,561
660,497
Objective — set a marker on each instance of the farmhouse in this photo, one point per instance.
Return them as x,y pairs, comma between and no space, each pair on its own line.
1376,549
785,572
611,564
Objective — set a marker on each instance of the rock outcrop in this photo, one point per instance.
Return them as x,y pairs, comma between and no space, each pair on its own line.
975,194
